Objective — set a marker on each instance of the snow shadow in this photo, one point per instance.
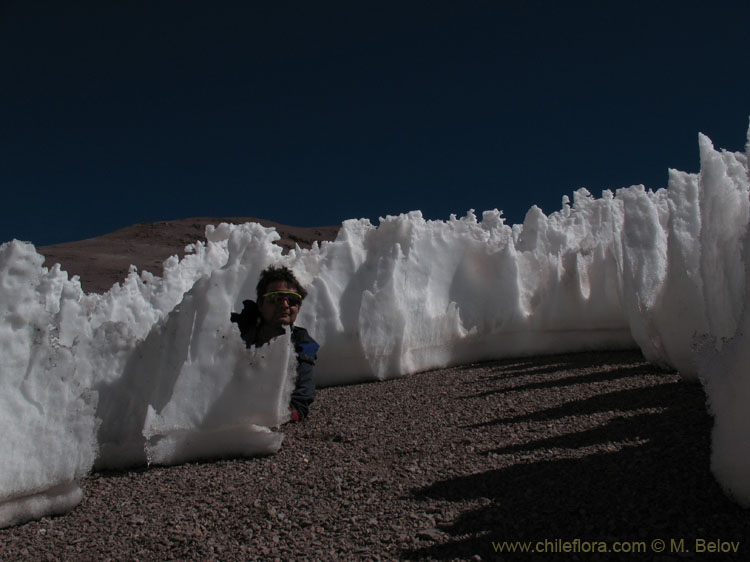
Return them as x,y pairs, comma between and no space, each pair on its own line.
658,485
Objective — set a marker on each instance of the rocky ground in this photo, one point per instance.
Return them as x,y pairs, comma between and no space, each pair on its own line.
453,464
443,465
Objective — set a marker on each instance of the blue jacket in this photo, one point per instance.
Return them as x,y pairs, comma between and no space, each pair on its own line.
307,352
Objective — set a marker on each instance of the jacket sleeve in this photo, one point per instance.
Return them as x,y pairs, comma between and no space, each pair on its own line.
307,353
247,321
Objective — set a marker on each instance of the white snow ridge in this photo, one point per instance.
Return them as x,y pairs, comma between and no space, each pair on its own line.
153,371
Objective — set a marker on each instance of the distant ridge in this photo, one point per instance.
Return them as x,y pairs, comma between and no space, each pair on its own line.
102,261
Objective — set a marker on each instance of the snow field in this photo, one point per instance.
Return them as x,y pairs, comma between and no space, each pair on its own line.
154,372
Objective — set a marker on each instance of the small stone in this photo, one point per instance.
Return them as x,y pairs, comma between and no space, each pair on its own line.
430,534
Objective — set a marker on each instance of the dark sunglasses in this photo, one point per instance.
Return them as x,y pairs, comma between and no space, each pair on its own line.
277,297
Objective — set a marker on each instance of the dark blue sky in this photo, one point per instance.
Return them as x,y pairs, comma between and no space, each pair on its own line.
309,113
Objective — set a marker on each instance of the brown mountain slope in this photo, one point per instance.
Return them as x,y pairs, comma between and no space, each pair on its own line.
105,260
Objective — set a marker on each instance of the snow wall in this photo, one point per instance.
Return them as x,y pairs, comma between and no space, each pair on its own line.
153,371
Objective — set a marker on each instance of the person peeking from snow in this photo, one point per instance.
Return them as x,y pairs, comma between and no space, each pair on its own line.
279,297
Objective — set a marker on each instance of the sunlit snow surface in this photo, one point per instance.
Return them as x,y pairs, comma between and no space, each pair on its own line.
153,370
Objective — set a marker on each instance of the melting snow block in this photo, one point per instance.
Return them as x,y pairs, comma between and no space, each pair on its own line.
47,417
227,410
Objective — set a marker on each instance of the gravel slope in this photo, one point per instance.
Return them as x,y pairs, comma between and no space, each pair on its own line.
434,466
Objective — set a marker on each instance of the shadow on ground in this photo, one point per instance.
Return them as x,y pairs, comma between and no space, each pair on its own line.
657,487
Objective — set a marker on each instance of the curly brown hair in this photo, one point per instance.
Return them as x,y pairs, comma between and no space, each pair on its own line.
277,273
